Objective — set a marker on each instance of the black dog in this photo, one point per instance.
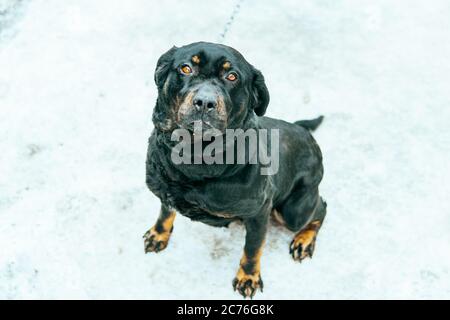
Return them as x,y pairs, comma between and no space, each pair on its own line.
215,85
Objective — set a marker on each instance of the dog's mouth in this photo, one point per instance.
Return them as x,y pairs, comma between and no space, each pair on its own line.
200,128
198,131
197,125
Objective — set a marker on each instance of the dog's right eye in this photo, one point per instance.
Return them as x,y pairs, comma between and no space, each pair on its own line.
185,69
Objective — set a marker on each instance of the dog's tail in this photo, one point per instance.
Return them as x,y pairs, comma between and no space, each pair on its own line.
310,125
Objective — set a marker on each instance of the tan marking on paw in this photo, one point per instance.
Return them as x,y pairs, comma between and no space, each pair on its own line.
247,284
154,241
157,241
248,281
303,244
167,224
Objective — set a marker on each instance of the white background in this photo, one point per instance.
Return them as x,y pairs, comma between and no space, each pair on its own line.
76,97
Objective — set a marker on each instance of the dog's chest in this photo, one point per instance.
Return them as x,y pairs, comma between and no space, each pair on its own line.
215,199
216,203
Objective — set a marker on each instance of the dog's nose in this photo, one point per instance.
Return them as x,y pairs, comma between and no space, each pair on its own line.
205,103
205,99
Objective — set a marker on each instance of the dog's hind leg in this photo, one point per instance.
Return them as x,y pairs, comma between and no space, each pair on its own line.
157,238
304,242
303,212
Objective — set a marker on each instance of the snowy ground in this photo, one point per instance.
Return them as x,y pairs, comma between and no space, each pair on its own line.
76,96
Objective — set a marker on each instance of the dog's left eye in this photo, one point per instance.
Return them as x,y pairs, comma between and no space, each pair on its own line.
232,76
185,69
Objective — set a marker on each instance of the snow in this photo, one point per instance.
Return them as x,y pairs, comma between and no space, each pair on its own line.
76,97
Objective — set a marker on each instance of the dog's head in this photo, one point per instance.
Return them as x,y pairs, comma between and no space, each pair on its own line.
207,82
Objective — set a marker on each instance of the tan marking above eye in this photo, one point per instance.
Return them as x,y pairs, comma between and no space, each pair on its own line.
226,65
186,69
232,76
196,59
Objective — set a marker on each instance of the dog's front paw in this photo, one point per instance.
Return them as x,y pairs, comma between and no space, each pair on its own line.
247,284
156,241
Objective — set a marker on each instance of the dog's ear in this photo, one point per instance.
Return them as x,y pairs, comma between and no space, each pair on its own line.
163,67
260,93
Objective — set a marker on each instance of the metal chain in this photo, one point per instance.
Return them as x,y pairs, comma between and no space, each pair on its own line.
231,19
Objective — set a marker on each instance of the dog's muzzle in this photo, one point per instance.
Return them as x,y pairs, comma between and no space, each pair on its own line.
206,98
204,103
